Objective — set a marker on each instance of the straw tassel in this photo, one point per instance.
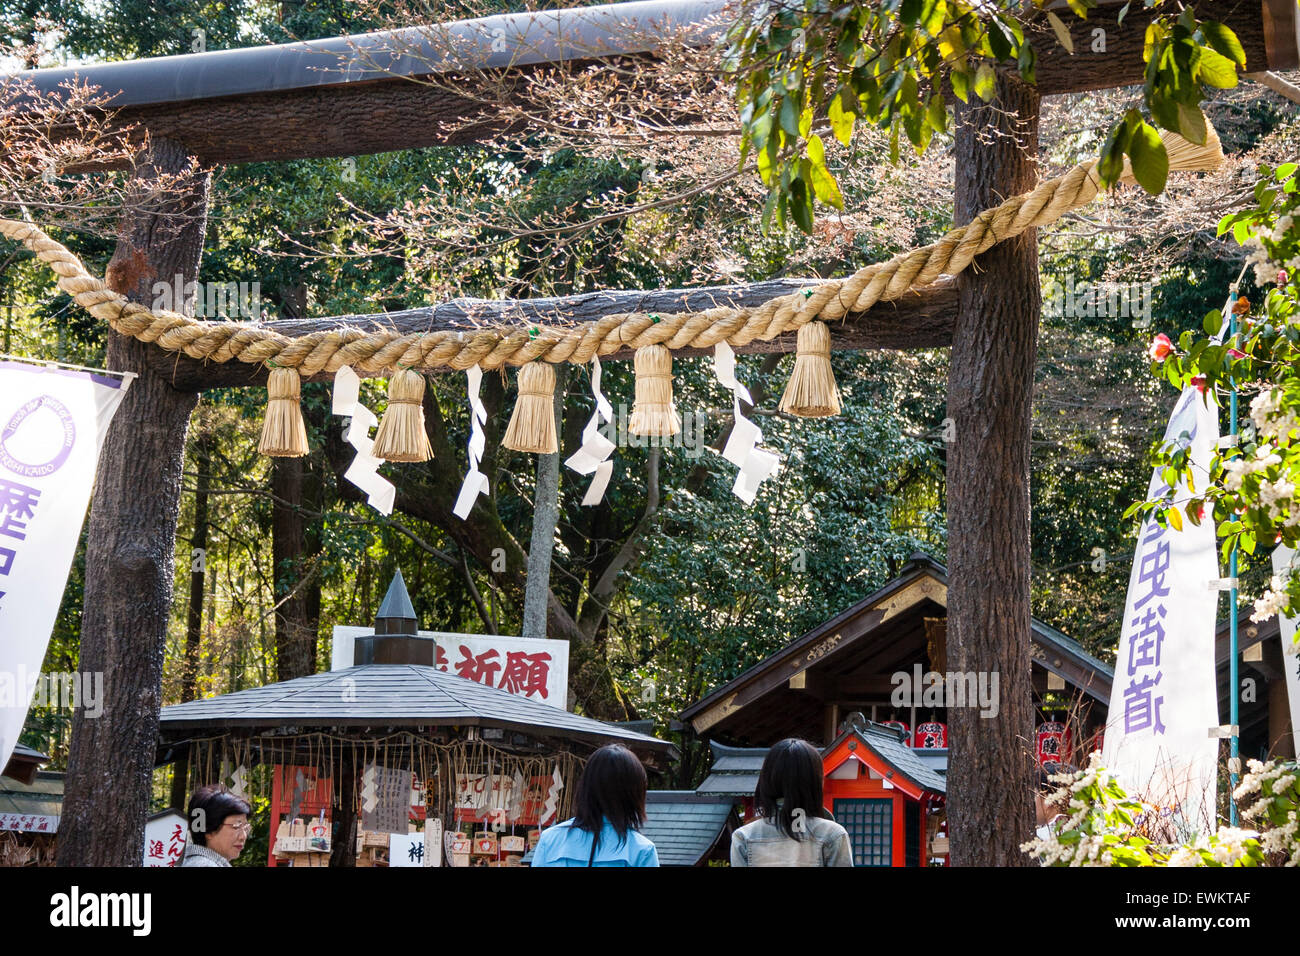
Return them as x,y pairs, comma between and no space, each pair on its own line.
653,411
401,435
1185,155
532,426
811,391
283,433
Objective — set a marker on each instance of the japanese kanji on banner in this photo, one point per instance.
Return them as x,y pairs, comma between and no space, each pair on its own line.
1163,701
165,837
536,669
52,425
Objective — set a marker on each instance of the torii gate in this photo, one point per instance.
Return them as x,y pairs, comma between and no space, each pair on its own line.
276,103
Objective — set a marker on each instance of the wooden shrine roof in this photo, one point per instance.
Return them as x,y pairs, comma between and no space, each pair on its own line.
389,696
889,744
734,772
23,764
876,636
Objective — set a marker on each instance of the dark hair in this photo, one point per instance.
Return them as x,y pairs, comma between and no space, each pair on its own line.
1048,770
612,788
790,781
216,803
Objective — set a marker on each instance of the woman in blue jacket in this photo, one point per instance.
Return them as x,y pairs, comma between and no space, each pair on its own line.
610,811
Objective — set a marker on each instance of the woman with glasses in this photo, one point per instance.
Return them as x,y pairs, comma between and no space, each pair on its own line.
218,827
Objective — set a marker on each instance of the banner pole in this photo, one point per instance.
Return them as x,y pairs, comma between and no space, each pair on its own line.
1233,743
125,376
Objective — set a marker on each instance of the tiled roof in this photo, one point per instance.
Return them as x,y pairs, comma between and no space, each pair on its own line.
734,772
887,742
43,796
23,751
683,829
391,695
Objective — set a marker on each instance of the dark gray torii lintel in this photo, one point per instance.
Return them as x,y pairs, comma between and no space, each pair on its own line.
486,43
348,96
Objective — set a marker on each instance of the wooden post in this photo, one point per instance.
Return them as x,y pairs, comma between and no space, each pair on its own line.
131,543
344,811
194,615
990,384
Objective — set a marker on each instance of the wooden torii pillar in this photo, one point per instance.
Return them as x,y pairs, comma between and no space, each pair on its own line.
131,544
990,316
990,387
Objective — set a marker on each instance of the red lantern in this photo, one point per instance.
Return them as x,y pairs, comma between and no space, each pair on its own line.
931,735
1052,744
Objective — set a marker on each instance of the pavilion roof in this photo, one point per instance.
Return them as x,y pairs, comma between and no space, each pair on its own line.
390,696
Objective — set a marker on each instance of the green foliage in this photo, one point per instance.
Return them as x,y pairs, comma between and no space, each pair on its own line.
885,64
1251,488
721,586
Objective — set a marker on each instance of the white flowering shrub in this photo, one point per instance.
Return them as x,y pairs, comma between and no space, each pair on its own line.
1104,826
1269,796
1251,491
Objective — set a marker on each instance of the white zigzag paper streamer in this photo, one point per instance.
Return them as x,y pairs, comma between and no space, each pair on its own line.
592,457
476,483
364,470
742,447
239,782
552,797
369,798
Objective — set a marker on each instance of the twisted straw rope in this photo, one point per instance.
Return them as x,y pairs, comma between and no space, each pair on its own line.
375,352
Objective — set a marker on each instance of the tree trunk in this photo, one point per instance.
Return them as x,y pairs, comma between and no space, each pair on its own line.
130,550
990,384
295,630
194,619
546,514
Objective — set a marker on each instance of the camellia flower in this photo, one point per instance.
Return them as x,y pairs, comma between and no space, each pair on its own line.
1160,348
1281,277
1199,382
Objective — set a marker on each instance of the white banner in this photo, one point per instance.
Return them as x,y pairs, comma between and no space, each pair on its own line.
1163,701
1282,558
165,836
52,425
534,668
